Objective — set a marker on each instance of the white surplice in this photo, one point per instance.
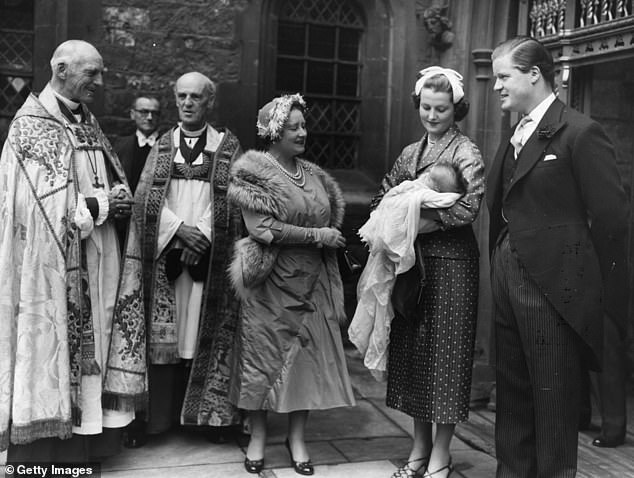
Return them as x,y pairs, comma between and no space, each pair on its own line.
103,261
188,201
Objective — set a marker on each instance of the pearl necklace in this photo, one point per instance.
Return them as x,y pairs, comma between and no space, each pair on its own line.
298,179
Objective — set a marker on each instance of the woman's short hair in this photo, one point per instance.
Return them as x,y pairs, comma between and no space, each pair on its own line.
299,106
440,83
527,52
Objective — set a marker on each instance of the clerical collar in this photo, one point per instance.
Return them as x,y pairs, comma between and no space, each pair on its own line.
191,150
72,105
193,134
72,114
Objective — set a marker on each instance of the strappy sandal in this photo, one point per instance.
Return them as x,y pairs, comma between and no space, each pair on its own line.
430,474
406,471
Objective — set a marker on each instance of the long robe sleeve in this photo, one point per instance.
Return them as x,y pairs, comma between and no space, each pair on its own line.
170,223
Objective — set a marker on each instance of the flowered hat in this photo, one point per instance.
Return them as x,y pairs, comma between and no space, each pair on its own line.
273,115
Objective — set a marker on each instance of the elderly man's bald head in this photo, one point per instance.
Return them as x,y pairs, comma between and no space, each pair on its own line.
72,51
194,77
195,95
77,67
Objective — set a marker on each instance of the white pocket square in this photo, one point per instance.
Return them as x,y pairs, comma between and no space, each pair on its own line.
550,157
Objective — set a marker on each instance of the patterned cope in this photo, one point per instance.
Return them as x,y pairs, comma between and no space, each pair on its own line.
47,342
206,396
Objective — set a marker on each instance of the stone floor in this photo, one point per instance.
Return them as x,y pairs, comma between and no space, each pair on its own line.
592,462
367,441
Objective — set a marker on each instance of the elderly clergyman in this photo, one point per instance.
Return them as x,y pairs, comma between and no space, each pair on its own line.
72,349
189,232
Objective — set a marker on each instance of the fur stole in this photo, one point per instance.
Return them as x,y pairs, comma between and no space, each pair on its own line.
257,185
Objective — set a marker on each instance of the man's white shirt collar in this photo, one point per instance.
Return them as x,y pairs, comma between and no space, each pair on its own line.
536,116
540,110
142,140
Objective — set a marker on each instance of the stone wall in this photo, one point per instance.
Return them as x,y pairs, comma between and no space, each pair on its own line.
147,45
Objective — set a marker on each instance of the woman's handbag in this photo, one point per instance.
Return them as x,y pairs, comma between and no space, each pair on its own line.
408,289
349,266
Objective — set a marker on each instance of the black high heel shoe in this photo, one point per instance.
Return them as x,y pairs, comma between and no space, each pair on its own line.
301,467
253,466
603,442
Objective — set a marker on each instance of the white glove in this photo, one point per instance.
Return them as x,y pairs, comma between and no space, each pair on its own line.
329,237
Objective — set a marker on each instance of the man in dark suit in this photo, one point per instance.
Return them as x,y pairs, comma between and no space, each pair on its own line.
558,217
133,150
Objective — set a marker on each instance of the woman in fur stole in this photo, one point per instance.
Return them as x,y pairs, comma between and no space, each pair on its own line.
290,357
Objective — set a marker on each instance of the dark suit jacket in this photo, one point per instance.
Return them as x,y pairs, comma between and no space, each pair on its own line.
567,219
125,149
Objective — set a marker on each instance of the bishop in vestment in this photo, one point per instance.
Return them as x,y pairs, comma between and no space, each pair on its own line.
189,231
72,348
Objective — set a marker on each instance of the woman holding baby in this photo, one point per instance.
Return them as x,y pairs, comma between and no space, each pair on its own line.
430,351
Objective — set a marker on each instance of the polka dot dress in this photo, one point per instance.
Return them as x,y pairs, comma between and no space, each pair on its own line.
431,356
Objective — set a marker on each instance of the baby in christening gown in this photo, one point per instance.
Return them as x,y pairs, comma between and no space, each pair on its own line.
390,233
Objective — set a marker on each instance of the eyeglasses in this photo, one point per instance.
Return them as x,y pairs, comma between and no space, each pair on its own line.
148,112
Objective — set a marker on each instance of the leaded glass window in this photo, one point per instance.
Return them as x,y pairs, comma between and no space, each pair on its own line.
16,54
319,55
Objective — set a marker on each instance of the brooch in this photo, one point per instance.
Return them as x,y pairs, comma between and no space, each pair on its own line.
546,132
